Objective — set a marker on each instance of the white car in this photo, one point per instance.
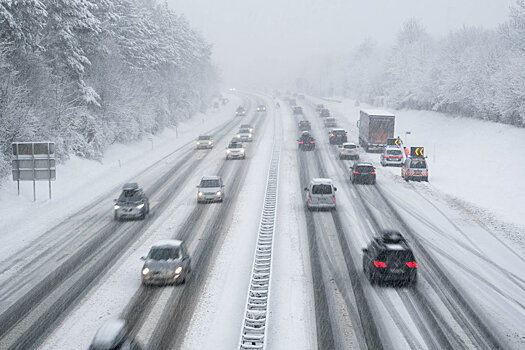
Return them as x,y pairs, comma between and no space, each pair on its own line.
235,150
204,141
320,194
392,155
210,189
348,150
245,135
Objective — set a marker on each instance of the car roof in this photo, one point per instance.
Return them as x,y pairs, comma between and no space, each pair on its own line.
204,135
110,334
349,143
393,146
363,164
338,130
321,180
211,177
130,186
167,243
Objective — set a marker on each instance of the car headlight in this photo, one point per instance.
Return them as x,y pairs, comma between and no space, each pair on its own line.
178,270
145,271
242,150
116,207
140,206
249,135
228,151
219,193
200,194
238,135
198,143
209,142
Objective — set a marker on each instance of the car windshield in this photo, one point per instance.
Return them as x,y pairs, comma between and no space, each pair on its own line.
204,137
418,164
235,145
130,196
364,169
322,189
394,152
245,126
350,146
210,183
164,253
244,131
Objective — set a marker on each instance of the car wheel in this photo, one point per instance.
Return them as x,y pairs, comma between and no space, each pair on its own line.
116,217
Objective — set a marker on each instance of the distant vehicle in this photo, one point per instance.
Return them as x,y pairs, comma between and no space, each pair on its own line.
240,112
320,194
392,155
132,203
330,122
233,89
324,113
300,97
338,137
292,102
235,150
298,110
261,108
210,189
168,262
306,142
375,127
388,258
114,335
247,126
415,169
305,125
204,141
348,150
318,107
363,173
245,135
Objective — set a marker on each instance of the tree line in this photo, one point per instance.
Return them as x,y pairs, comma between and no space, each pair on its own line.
89,73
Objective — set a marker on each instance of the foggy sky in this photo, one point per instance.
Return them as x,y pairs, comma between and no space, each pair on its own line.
266,42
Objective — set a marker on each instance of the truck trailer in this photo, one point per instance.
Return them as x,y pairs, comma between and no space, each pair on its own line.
375,127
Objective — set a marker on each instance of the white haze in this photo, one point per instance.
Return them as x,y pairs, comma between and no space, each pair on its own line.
271,42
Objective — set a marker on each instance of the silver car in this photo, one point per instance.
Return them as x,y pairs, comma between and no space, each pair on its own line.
247,126
204,141
210,189
320,194
235,150
132,203
348,150
245,135
392,155
167,262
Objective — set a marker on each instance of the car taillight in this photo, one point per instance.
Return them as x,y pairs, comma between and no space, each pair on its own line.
412,264
333,198
309,199
408,172
312,141
345,135
426,173
373,173
356,172
342,149
301,142
357,149
379,264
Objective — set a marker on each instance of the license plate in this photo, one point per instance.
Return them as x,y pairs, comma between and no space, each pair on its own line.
396,270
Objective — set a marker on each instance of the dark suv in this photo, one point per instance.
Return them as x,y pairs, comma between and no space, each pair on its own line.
306,142
132,203
388,258
305,125
298,110
363,173
324,113
338,137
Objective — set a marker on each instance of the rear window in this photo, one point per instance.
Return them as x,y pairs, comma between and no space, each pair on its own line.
394,152
418,164
339,132
164,253
322,189
210,183
204,137
396,256
350,146
365,169
331,119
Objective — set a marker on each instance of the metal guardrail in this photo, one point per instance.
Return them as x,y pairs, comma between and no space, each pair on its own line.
253,334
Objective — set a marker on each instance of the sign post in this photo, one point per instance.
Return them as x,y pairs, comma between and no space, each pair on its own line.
34,161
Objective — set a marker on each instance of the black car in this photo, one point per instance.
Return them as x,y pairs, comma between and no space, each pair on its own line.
306,142
240,112
338,137
363,173
305,125
388,258
324,113
298,110
132,203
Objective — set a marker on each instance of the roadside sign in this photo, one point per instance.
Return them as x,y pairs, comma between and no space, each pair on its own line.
34,161
417,151
394,141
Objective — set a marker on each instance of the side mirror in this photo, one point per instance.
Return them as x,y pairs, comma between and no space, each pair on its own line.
306,188
197,186
364,250
142,258
114,200
335,188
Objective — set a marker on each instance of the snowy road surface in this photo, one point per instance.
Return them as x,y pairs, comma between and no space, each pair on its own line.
71,267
